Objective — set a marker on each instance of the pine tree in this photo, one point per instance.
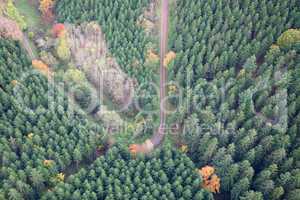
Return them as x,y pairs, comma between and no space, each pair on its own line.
250,195
77,156
240,188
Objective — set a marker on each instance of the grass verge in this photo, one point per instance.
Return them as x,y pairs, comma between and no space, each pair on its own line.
30,12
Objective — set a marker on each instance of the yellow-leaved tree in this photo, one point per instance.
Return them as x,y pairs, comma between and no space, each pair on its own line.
169,58
289,37
63,49
13,14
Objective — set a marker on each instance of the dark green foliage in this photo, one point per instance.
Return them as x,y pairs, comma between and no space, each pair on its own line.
251,138
216,35
37,123
242,112
83,96
167,174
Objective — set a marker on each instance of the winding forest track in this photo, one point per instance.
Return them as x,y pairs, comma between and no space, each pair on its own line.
158,136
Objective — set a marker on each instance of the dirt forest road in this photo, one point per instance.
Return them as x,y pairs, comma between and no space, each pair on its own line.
159,135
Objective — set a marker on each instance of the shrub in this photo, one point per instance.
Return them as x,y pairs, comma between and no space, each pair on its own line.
74,76
31,35
83,96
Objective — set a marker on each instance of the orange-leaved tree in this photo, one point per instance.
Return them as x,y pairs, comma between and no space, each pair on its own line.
41,66
211,181
134,148
143,148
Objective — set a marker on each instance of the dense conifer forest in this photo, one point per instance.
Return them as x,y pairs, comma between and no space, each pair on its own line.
165,175
38,137
228,72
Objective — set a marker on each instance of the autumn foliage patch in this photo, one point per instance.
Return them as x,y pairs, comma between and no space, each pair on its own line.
10,29
46,8
58,29
169,58
41,66
211,181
